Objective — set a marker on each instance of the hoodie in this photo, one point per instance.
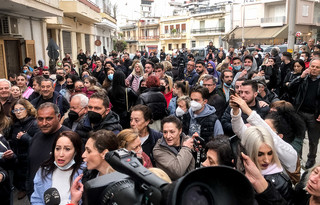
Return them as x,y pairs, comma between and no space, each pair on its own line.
204,121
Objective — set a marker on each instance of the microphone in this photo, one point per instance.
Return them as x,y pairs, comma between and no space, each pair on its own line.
51,197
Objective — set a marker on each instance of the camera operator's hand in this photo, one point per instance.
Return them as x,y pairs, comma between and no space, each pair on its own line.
234,105
254,175
242,104
188,143
76,190
194,136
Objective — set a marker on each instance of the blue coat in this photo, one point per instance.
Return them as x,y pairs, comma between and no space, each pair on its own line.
40,186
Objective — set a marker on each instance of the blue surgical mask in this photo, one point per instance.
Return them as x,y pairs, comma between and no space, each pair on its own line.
25,71
238,67
201,83
67,166
110,77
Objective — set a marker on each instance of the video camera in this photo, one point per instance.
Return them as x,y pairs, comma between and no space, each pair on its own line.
137,185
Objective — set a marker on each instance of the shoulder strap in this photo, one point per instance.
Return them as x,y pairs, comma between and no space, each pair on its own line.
127,99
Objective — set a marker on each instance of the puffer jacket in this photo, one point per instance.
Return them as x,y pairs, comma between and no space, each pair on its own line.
175,163
153,98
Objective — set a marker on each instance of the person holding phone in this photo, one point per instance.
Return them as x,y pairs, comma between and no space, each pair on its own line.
173,152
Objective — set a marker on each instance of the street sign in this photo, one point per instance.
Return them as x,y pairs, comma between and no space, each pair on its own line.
298,34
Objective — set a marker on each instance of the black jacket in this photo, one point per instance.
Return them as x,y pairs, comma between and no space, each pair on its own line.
269,98
57,99
101,75
301,84
218,102
110,122
5,188
154,99
118,99
21,147
226,117
82,58
148,145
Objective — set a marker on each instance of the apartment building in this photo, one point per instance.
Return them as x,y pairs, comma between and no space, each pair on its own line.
266,21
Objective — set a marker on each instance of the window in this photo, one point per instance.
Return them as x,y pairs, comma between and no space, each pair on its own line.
128,33
171,27
305,10
202,24
166,29
178,28
183,45
193,44
169,46
183,27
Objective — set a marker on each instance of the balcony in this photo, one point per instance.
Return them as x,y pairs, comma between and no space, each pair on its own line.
210,10
82,10
273,21
129,39
207,31
32,8
148,38
173,36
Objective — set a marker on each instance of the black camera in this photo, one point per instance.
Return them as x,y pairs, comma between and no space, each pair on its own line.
137,185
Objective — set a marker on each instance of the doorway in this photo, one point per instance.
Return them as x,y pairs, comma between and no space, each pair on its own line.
12,51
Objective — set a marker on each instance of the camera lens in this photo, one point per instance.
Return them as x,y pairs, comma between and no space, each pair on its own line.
197,194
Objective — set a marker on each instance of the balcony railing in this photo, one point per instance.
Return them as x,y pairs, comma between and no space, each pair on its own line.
208,10
129,38
149,38
91,5
277,19
173,35
208,30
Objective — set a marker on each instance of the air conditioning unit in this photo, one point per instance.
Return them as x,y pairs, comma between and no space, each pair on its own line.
9,25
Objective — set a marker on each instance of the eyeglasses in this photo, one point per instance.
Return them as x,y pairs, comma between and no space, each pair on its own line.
18,110
208,85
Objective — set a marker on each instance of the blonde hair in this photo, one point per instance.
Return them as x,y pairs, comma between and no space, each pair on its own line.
126,136
167,66
134,70
161,174
252,140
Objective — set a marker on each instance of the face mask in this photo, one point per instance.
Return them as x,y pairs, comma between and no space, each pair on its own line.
226,85
94,117
70,86
179,112
162,88
201,83
210,70
46,76
302,58
59,77
67,166
143,89
73,116
59,64
25,71
256,56
110,77
174,56
14,82
195,106
247,68
94,54
238,67
300,51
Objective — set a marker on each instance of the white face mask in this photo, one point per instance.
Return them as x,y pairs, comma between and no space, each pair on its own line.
256,56
302,58
179,112
67,166
195,106
247,68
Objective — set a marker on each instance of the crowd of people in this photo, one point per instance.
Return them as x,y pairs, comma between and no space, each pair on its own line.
238,109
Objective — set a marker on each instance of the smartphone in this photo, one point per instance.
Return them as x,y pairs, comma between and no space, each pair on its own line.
232,92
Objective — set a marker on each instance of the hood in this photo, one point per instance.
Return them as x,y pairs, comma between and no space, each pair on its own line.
208,110
111,118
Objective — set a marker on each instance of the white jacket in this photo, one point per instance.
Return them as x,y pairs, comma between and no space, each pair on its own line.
286,153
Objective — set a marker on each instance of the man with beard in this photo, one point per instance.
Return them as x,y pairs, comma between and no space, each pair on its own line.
78,109
190,73
61,81
36,86
47,94
99,117
224,88
48,119
127,62
201,69
248,92
99,72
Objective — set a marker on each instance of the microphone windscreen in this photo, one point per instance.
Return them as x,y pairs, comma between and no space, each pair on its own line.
51,196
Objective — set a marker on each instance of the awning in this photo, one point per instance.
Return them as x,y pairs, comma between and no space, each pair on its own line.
258,33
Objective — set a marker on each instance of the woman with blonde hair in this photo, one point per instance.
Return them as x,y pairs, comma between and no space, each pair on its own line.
133,80
130,140
266,149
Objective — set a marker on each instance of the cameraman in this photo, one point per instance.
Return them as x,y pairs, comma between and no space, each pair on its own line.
173,152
